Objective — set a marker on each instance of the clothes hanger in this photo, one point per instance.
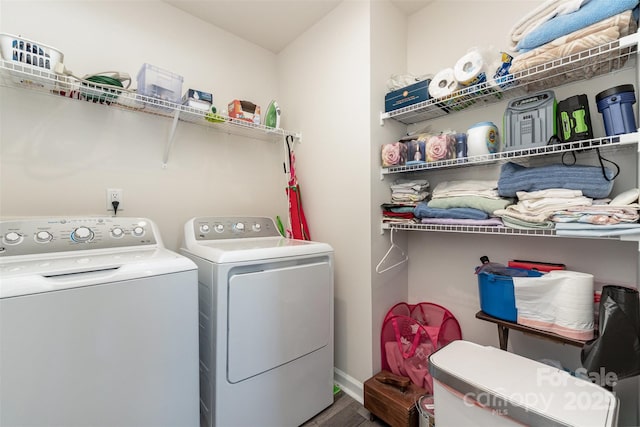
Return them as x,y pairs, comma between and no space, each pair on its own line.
405,258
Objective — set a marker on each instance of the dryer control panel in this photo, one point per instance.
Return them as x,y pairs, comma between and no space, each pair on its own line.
220,228
40,236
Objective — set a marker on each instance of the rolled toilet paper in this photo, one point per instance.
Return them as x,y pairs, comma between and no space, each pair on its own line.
443,84
470,69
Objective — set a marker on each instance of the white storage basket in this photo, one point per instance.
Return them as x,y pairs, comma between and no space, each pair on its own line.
24,51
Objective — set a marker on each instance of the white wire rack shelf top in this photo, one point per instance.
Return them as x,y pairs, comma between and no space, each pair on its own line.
579,66
609,142
477,229
24,76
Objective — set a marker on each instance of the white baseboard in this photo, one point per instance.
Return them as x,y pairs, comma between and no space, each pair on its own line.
349,385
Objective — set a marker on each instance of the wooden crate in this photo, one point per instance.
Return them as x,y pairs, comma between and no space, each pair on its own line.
392,399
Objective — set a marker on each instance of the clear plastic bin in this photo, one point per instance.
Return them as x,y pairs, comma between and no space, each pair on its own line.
158,83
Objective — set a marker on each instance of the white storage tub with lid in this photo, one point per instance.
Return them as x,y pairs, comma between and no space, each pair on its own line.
478,385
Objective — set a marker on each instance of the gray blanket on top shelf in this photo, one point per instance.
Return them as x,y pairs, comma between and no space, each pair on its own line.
588,179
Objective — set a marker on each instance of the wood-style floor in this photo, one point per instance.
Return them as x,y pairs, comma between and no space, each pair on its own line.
345,412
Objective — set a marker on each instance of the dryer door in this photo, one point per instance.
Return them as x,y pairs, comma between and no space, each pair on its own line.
276,316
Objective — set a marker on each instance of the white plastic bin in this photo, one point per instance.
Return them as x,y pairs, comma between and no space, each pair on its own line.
479,386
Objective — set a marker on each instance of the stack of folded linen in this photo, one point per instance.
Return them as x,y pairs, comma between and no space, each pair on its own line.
593,181
464,202
397,212
409,191
619,216
405,195
559,28
534,209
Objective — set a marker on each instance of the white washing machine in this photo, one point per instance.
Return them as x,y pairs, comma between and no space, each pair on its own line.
266,323
98,325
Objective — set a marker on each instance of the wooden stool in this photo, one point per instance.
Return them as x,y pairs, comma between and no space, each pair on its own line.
392,398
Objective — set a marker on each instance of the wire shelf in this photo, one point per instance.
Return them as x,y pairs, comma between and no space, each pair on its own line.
580,66
606,142
23,76
467,229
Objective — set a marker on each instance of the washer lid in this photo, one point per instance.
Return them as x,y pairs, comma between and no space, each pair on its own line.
251,249
24,275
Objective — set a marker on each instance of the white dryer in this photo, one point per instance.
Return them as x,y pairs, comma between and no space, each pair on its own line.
98,325
266,322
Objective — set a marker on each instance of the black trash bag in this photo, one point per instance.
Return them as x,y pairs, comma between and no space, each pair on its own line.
617,347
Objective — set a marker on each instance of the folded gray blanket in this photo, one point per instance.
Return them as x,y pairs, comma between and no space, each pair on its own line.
588,179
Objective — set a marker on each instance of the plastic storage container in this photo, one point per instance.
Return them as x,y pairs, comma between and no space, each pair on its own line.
482,138
497,297
19,49
158,83
616,106
483,386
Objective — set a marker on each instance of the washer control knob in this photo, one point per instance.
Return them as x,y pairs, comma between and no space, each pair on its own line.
238,226
205,228
256,227
43,237
117,232
138,231
219,228
82,234
12,237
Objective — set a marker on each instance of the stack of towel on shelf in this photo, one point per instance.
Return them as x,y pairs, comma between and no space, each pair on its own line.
535,208
588,179
405,194
570,199
465,202
559,28
617,217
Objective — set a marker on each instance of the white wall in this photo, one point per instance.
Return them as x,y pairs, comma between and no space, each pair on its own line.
324,78
388,56
58,157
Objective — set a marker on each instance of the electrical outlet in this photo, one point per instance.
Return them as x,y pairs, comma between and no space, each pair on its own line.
114,195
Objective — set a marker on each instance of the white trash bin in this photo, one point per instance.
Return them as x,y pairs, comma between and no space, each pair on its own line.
479,386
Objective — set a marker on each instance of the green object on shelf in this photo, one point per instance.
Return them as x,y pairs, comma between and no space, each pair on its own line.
272,117
103,90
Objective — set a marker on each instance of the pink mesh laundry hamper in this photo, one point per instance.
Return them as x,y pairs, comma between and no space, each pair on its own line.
410,333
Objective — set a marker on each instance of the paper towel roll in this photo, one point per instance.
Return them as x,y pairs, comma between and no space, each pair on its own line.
470,69
443,84
560,301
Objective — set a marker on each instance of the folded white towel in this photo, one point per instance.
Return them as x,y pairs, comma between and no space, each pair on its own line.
551,192
485,188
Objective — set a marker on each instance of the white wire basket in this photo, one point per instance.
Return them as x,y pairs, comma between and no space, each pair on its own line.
29,52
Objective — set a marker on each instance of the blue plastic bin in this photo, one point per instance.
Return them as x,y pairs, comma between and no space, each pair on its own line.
497,297
616,106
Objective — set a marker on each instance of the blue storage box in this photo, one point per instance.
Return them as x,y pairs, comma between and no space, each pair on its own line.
497,297
616,106
408,95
